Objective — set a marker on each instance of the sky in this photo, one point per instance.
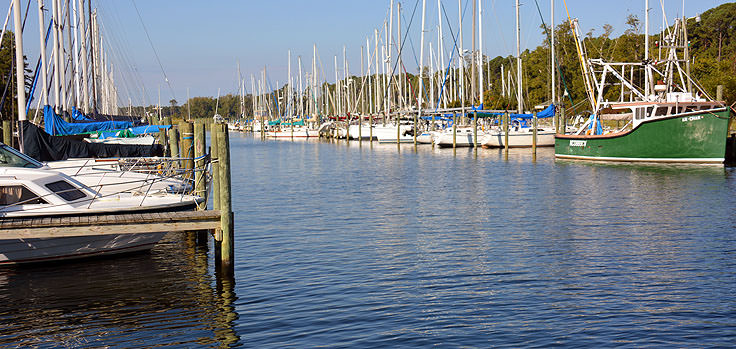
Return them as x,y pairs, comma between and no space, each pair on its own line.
193,48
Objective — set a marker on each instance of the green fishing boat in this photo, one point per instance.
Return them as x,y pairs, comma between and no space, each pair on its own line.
670,118
693,132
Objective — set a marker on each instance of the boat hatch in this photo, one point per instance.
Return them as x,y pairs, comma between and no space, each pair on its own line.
65,190
18,195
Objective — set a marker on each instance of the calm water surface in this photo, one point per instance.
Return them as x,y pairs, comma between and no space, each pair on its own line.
368,246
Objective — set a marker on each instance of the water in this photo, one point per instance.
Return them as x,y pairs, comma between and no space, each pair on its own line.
365,246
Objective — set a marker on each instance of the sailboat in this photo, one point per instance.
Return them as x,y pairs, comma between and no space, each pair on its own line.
520,132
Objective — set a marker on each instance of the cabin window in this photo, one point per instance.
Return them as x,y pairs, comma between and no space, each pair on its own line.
18,194
65,190
661,111
639,113
10,157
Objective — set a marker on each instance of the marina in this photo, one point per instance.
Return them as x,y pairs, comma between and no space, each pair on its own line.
600,251
389,184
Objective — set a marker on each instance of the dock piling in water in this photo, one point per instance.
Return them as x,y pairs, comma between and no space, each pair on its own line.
475,129
227,247
506,121
215,167
534,135
174,145
200,148
187,139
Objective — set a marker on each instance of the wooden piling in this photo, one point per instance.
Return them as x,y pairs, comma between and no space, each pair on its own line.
200,149
7,133
227,247
200,176
454,130
719,93
214,135
164,142
174,145
370,124
507,120
186,131
416,128
475,129
534,135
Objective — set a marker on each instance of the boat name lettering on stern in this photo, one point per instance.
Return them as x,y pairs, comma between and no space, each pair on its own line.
577,143
691,118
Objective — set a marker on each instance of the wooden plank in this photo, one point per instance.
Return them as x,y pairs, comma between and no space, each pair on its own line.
105,220
89,230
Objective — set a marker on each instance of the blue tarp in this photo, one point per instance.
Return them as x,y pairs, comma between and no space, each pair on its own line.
138,130
546,113
56,126
595,125
77,115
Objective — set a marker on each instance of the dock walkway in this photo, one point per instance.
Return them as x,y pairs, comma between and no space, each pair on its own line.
48,227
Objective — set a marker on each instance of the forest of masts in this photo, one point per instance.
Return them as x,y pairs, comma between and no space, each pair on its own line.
384,89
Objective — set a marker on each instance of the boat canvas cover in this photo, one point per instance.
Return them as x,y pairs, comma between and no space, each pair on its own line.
546,113
44,147
133,132
77,115
56,126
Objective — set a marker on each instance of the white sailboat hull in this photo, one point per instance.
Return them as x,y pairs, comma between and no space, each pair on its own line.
388,134
463,138
297,133
364,132
519,139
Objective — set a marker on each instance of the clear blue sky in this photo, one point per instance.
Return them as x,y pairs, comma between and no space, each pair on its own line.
200,42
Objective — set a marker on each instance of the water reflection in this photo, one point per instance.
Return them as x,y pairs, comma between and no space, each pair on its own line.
167,296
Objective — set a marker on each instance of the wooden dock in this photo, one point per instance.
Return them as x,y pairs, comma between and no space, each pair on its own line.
25,228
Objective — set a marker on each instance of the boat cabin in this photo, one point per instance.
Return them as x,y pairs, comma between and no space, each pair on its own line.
674,105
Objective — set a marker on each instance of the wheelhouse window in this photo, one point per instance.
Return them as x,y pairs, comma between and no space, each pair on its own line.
661,111
18,195
65,190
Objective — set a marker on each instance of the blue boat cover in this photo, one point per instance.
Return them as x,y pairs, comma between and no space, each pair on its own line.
55,125
136,131
595,125
546,113
77,115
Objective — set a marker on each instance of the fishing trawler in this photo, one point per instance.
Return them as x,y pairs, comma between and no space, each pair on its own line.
672,120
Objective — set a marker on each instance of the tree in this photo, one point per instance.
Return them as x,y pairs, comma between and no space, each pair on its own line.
8,91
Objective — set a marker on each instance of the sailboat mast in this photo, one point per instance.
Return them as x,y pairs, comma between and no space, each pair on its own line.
421,65
301,91
92,51
519,100
390,35
441,49
57,60
19,73
461,58
288,104
85,78
472,55
480,52
646,48
42,29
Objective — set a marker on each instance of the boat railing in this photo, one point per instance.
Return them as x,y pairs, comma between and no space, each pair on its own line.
141,186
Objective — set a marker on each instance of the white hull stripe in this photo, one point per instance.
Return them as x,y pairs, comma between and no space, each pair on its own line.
605,158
